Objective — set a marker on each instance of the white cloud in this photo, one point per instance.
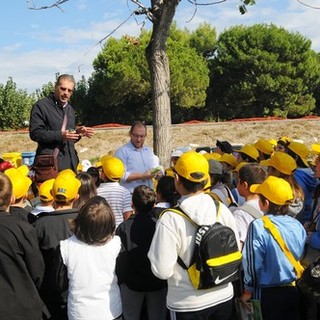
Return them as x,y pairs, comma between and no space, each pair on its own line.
75,51
11,48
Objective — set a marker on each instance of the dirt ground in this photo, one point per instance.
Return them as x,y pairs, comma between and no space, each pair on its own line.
108,138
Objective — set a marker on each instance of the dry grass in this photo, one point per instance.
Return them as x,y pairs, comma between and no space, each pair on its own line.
108,140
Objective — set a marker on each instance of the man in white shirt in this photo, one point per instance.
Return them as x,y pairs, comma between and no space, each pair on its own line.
141,164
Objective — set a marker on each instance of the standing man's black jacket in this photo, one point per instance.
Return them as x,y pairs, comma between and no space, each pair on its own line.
45,128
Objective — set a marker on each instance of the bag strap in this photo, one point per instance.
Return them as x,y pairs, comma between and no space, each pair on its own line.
179,211
233,201
255,213
64,125
65,119
271,227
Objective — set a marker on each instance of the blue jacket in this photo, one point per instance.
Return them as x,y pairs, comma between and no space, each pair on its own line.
306,180
264,263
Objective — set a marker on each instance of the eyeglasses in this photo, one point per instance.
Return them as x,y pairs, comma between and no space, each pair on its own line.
66,89
137,136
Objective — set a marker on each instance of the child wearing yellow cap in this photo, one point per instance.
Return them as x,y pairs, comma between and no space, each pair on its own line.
283,166
46,200
304,176
20,187
265,149
268,273
175,236
117,196
51,227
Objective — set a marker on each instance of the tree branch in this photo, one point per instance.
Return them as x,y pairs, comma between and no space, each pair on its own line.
144,10
196,3
56,4
307,5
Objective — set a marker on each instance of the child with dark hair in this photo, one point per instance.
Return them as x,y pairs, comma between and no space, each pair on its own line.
95,174
249,174
282,144
137,282
248,153
166,195
90,258
87,189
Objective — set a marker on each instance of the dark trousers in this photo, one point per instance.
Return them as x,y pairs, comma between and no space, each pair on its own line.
280,303
309,309
221,311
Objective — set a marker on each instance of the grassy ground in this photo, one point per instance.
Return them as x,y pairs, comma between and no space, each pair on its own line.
109,139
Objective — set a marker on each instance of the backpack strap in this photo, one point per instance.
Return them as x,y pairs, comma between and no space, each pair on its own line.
233,202
254,213
214,196
178,210
271,227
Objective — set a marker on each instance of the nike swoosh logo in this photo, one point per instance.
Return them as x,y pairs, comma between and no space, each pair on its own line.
218,280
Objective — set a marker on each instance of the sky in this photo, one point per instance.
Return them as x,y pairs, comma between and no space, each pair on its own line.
37,44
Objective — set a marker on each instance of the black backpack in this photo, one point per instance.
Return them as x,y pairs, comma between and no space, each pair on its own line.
216,259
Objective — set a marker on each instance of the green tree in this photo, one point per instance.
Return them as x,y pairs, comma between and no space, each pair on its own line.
15,106
263,70
44,91
121,77
161,14
80,101
204,39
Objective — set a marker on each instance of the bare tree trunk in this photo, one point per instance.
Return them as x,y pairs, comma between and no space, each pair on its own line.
163,12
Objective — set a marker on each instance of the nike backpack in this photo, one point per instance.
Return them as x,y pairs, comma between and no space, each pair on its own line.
216,259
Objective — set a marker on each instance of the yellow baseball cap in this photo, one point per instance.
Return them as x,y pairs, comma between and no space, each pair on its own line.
20,182
239,166
67,173
285,140
276,190
250,150
98,164
213,155
79,167
281,161
230,159
113,168
102,158
301,150
65,185
273,142
315,148
45,190
264,146
24,169
192,166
